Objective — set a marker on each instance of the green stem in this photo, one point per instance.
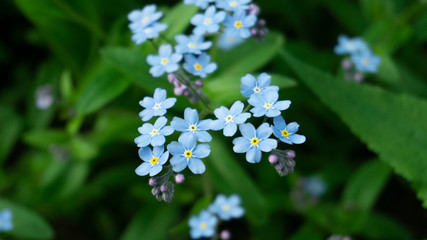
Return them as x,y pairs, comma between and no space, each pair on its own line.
184,80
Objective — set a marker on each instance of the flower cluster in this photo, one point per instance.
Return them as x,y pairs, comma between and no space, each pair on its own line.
361,60
222,209
6,220
144,24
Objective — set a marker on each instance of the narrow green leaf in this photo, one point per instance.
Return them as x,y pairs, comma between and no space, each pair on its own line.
392,125
45,138
178,19
26,224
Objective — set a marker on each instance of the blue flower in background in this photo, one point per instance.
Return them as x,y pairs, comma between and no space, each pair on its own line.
254,141
267,104
229,39
227,208
228,119
149,32
240,23
202,226
166,61
156,106
191,125
191,44
199,66
251,86
366,62
200,3
351,46
233,5
314,186
186,153
207,22
6,220
142,18
287,133
154,134
153,160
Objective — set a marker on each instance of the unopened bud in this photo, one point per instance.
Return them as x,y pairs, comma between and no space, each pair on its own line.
346,64
155,191
225,235
272,159
199,83
179,178
171,78
152,182
164,188
291,154
358,77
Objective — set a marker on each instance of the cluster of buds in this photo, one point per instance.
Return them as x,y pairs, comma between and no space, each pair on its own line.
350,73
163,189
180,89
283,161
259,31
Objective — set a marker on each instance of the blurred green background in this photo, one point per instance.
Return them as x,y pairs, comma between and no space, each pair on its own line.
67,172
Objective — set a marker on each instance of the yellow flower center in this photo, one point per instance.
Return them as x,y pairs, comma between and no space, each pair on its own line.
254,141
365,61
268,106
203,225
238,24
157,106
154,160
229,118
256,89
207,21
233,4
164,61
148,30
193,128
197,66
145,19
285,133
188,154
154,132
191,45
225,208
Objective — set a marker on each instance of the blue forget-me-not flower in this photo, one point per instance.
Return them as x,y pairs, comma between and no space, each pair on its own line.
191,44
287,132
153,160
150,32
207,22
229,119
203,225
142,18
227,208
229,39
251,85
166,61
366,62
254,141
348,45
233,5
6,223
191,125
200,3
200,65
186,153
154,134
156,106
240,23
267,104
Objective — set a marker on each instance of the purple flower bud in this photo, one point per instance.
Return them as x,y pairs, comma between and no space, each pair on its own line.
171,78
178,91
273,159
225,235
278,166
291,154
254,32
159,197
152,182
155,191
346,64
164,188
186,93
290,164
254,9
179,178
199,83
358,77
262,22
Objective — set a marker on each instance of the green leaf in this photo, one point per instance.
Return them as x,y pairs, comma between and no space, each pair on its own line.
151,222
105,86
26,224
307,231
45,138
229,177
379,226
10,127
178,19
364,187
225,90
249,57
392,125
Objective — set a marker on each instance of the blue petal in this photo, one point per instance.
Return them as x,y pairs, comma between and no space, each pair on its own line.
264,80
282,105
203,136
158,140
266,145
153,60
146,128
241,118
297,139
241,145
166,131
159,95
264,131
158,150
160,122
187,140
179,163
145,153
277,132
155,169
179,124
159,112
221,112
196,166
165,50
272,113
259,111
157,71
143,141
253,155
146,114
217,124
247,130
143,169
164,158
175,148
202,150
257,100
147,102
236,108
271,97
204,124
279,122
292,127
230,129
191,116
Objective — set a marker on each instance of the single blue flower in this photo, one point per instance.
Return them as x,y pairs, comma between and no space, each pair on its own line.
191,125
287,133
351,46
186,153
229,39
200,3
227,208
240,23
149,32
314,186
207,22
366,62
156,106
229,119
254,141
153,160
143,18
191,44
233,5
202,226
267,104
154,135
166,61
251,85
199,66
6,223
